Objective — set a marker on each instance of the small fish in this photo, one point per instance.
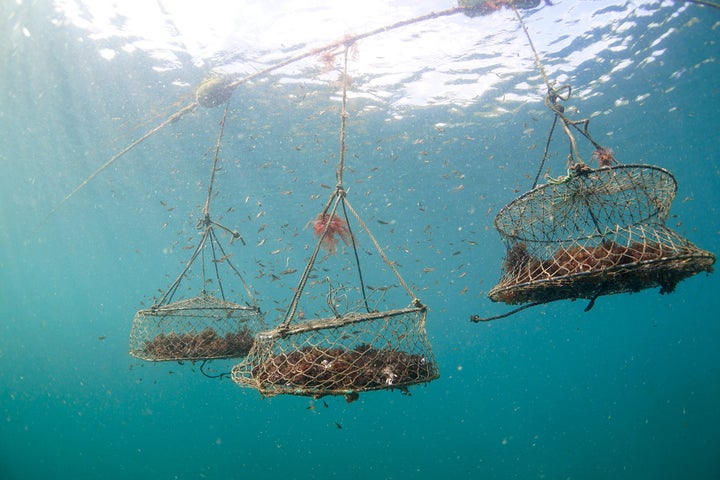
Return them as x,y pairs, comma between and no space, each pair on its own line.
339,427
102,337
222,259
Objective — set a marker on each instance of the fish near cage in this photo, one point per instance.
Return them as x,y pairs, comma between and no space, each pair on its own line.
594,232
206,326
203,327
345,354
348,352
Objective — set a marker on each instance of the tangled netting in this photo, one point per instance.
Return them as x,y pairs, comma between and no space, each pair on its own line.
341,356
594,232
199,328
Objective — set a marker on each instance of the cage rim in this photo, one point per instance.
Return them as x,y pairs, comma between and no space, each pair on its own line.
334,322
187,305
540,188
700,254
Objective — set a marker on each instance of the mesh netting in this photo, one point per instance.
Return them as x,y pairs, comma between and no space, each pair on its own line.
594,232
203,327
341,356
199,328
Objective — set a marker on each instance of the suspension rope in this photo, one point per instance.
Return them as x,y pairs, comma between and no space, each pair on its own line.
553,95
192,106
339,197
170,293
343,120
385,258
357,257
706,3
292,308
575,164
206,224
206,209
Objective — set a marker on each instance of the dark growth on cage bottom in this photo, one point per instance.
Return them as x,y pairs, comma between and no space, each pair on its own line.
206,344
530,274
337,369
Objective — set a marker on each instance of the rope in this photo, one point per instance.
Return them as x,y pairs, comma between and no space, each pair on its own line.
210,375
339,197
234,84
343,121
538,63
477,318
349,40
292,308
206,224
357,257
329,47
214,241
551,99
175,116
707,4
575,165
173,288
385,258
546,153
206,210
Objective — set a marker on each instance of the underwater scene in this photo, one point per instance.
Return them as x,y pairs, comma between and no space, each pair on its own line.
386,239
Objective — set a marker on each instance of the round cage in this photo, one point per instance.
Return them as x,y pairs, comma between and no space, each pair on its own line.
595,232
199,328
341,356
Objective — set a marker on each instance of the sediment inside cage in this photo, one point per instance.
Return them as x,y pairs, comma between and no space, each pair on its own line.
341,356
199,328
597,232
602,270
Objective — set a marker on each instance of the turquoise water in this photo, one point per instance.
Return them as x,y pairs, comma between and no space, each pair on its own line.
626,390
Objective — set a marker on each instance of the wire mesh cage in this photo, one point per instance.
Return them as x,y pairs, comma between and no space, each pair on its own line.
205,326
594,232
349,351
341,356
357,348
199,328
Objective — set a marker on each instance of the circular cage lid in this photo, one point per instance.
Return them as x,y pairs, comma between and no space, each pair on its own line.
589,202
